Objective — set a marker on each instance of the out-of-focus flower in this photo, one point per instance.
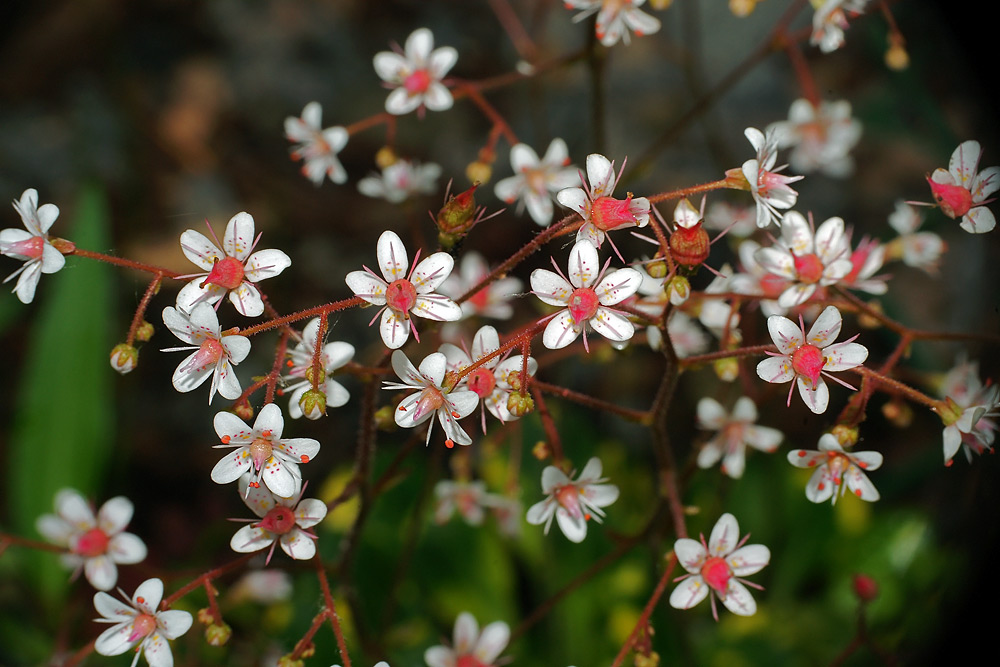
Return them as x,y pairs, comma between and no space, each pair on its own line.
139,624
615,18
821,138
467,498
971,407
31,246
215,352
316,147
415,74
600,211
573,502
719,567
865,260
401,180
262,586
282,520
96,544
231,269
403,294
300,361
921,250
838,471
962,191
736,431
469,647
418,407
769,188
739,221
806,358
492,301
756,280
830,22
535,180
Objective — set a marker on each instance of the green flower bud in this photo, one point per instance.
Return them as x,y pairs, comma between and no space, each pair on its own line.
124,358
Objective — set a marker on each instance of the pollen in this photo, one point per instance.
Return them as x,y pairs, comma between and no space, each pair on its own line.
304,458
449,443
226,439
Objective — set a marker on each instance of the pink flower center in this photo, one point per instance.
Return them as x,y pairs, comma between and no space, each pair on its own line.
809,268
209,353
535,179
142,626
482,382
31,248
226,273
808,361
716,574
469,661
260,451
954,200
773,285
431,399
417,82
607,213
569,497
92,543
481,298
401,295
583,304
279,520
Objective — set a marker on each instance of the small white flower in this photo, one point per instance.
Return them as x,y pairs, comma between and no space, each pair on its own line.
261,451
920,250
333,356
469,647
821,138
719,567
492,301
400,180
96,544
535,180
838,467
31,246
770,189
415,75
600,211
736,431
401,294
616,18
585,298
830,22
962,191
415,409
215,353
756,280
268,586
806,358
282,520
231,269
974,406
140,623
317,147
467,498
573,502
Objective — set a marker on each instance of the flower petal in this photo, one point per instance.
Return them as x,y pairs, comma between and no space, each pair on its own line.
298,545
174,622
367,286
148,595
561,331
584,264
612,325
816,397
618,286
749,559
785,333
573,527
199,249
391,253
776,369
249,539
738,599
690,554
437,307
431,272
688,593
601,174
239,237
550,287
725,535
394,329
826,328
843,356
492,642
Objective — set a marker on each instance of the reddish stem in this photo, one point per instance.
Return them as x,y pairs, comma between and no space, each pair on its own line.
127,263
647,610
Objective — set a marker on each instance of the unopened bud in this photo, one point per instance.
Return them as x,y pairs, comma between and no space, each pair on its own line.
660,4
205,616
727,369
315,375
652,659
689,246
144,331
385,157
313,404
657,268
865,587
218,634
243,410
678,290
742,8
898,413
520,403
541,450
897,58
288,661
847,436
63,246
308,651
457,217
124,358
479,172
385,418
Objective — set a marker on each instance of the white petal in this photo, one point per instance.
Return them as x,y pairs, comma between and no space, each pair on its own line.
266,264
797,233
539,208
826,328
830,240
309,512
541,512
199,249
964,161
776,369
860,485
507,189
749,559
114,640
817,398
101,572
148,595
843,356
776,260
584,264
612,325
442,60
618,286
985,184
575,199
574,528
524,157
764,438
392,260
419,45
239,236
112,608
787,336
561,331
688,593
601,174
390,66
438,656
600,495
437,307
725,535
368,287
738,599
249,539
431,272
115,514
298,545
246,299
395,330
820,487
492,642
690,554
127,549
553,477
433,367
466,632
550,287
174,622
978,221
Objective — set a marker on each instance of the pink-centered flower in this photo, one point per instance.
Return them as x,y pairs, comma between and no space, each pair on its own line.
769,188
838,471
807,358
261,452
534,181
96,544
830,22
962,191
600,211
573,502
585,298
492,301
718,567
469,499
971,421
300,360
31,245
402,295
470,648
215,352
233,269
821,138
615,18
415,74
284,521
316,147
401,180
736,431
139,624
432,398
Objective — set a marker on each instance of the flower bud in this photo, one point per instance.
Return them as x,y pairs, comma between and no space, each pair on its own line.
865,587
243,410
541,450
314,375
457,217
898,413
385,157
124,358
742,8
689,246
288,661
218,634
479,172
657,268
727,369
949,411
205,616
144,331
678,290
652,659
896,58
847,436
63,246
313,404
520,403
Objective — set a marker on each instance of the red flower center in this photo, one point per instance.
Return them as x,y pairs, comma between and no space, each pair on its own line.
209,353
482,382
808,361
142,626
260,451
809,268
417,82
469,661
401,296
430,399
278,520
954,200
30,248
582,304
607,213
569,497
716,573
226,273
92,543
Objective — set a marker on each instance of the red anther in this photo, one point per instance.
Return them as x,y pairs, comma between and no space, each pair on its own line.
449,443
304,458
226,439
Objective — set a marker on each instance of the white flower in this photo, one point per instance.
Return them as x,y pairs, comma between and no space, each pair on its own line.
402,294
573,502
838,467
317,147
718,315
215,353
738,221
769,188
333,356
806,260
140,623
735,432
467,498
469,647
866,259
415,409
758,281
535,180
416,74
962,191
231,269
401,180
261,451
806,358
285,520
719,567
921,250
969,422
31,246
684,334
96,544
585,298
600,211
616,18
821,137
493,300
262,586
830,21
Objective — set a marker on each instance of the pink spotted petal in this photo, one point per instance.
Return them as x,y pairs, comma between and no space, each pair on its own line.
199,249
112,608
309,512
239,236
432,271
575,199
367,286
978,221
249,539
859,484
816,397
986,183
552,478
843,356
826,328
573,527
127,549
690,554
437,307
725,535
776,369
612,325
114,640
148,595
688,593
787,335
173,623
618,286
738,599
550,287
749,559
394,329
820,487
584,264
561,331
964,161
298,545
601,174
392,259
